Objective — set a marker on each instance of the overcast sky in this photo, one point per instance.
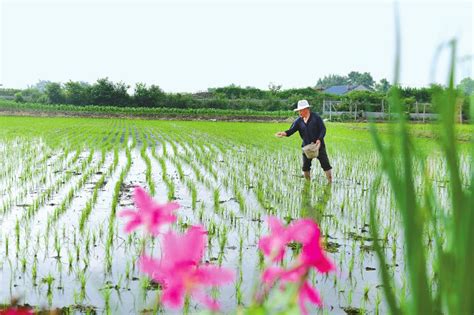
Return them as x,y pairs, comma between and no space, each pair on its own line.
188,46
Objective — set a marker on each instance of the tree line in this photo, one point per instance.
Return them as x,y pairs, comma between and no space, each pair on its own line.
104,92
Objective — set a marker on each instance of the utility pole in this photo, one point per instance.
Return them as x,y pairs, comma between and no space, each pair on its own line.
424,112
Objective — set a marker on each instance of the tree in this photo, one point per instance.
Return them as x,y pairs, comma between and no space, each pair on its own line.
40,86
332,79
30,94
383,86
466,86
19,97
274,88
121,96
148,97
54,93
357,78
105,92
77,93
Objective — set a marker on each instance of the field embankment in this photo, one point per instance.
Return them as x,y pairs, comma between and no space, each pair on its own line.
10,108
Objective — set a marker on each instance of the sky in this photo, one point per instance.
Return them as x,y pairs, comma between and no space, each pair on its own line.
190,46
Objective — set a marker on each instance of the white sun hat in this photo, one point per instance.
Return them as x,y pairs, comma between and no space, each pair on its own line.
302,105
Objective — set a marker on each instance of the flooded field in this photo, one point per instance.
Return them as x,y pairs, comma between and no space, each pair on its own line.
63,181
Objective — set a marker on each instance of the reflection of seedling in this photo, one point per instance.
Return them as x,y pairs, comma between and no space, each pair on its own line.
127,270
108,262
82,279
87,244
216,199
34,271
202,209
85,261
17,236
240,200
49,281
57,245
78,252
144,285
193,196
222,243
23,264
351,264
6,246
106,294
241,245
366,292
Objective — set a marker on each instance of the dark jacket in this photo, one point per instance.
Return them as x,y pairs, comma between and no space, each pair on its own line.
310,131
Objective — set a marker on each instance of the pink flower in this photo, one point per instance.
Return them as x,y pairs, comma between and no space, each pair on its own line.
306,232
180,271
272,274
312,254
307,292
274,245
16,311
149,213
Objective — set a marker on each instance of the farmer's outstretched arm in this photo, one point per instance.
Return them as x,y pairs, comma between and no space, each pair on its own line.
293,128
289,132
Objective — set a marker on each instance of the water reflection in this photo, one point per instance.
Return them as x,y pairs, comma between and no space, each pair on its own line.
311,209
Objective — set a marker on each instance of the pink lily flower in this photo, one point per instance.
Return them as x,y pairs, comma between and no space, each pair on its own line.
274,245
180,271
312,254
149,213
306,232
272,274
307,292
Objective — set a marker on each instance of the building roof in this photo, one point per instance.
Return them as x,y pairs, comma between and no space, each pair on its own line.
344,89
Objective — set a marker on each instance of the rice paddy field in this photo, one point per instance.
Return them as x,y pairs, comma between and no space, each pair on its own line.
63,181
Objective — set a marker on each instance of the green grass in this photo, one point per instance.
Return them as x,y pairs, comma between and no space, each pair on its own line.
439,281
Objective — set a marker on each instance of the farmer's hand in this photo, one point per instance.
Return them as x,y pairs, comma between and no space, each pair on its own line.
280,134
318,143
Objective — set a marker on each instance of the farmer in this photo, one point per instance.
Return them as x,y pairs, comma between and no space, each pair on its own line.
312,130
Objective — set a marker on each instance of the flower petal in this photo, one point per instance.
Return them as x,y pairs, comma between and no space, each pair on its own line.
273,245
153,268
173,295
185,247
312,254
303,231
132,224
214,275
271,274
307,292
127,213
210,303
142,200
